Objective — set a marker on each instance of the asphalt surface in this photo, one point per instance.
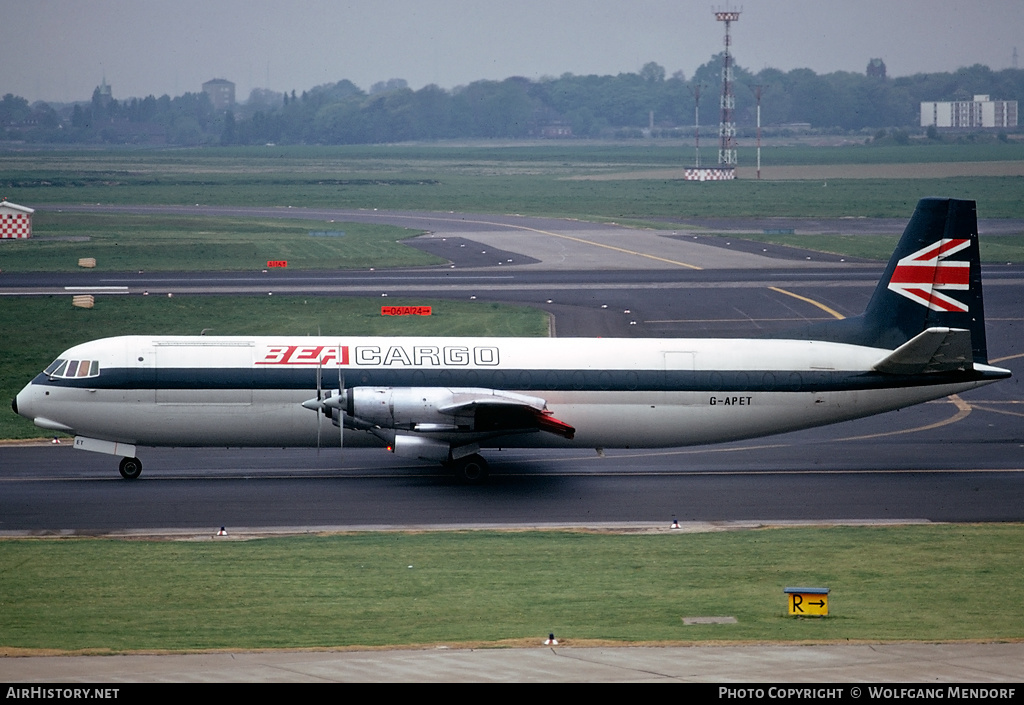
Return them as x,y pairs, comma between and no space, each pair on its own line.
952,460
938,462
995,667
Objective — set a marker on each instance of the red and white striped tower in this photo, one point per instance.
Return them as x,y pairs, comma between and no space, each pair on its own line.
727,127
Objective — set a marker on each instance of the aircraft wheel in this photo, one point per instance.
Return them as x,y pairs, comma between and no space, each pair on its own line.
130,468
471,470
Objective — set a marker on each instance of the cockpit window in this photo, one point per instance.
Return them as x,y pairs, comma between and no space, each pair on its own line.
67,369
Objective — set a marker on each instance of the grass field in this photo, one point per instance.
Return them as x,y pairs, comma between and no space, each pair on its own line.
527,179
924,583
46,326
509,178
125,242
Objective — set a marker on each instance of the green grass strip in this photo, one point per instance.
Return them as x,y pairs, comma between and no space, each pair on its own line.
126,242
512,179
919,583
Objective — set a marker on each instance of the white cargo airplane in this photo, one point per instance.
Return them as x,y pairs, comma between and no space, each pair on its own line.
444,399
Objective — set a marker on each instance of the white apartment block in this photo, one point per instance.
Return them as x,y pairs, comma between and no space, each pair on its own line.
980,112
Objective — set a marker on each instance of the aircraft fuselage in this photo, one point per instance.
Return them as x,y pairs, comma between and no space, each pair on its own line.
248,391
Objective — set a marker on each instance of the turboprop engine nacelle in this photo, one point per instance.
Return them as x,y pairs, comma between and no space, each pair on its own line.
402,407
428,408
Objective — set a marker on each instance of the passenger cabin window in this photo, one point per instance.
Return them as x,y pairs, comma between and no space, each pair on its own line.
67,369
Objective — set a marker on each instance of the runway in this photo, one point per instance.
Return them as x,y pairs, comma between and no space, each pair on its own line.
62,491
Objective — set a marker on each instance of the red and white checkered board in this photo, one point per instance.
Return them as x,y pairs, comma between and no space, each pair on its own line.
710,174
20,226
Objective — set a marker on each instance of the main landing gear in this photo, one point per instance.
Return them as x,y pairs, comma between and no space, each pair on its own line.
130,468
470,470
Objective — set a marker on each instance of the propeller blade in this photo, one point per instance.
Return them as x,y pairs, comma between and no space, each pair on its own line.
341,411
319,397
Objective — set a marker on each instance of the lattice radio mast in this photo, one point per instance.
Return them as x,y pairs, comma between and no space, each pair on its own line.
727,127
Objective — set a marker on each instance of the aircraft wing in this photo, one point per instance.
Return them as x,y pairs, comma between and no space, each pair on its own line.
931,350
495,410
465,400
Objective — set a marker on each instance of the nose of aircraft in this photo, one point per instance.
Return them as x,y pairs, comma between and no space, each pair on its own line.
23,406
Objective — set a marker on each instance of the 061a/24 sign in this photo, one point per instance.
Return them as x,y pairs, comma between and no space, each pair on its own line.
405,310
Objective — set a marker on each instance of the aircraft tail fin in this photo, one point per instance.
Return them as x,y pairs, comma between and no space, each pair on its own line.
933,281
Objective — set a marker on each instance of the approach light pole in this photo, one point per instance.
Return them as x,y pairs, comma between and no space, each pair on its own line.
695,89
757,92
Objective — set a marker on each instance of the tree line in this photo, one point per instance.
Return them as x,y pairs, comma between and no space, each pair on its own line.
624,105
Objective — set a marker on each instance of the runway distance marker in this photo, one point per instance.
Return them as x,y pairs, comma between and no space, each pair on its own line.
405,311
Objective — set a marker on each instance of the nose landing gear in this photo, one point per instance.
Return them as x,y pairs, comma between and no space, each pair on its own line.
130,468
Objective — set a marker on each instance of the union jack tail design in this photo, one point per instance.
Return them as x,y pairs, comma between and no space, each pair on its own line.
932,280
920,276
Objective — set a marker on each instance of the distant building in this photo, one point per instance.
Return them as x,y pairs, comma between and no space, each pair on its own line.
221,92
104,93
980,112
556,130
876,68
15,221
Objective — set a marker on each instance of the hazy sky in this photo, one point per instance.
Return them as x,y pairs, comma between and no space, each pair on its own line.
60,49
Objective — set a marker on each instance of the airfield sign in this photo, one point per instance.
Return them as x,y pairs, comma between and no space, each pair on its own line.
807,601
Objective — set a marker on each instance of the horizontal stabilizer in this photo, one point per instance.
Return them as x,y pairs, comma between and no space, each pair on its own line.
932,350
